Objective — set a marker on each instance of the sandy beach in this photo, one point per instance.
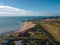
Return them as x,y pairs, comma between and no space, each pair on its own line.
26,26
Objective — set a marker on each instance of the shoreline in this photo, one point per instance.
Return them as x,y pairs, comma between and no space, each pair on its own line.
27,25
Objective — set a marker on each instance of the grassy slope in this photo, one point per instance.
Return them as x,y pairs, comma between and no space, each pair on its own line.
39,36
52,28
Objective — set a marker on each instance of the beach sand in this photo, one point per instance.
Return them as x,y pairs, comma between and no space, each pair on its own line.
27,25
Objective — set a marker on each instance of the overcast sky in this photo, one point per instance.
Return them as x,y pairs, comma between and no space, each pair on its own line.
29,7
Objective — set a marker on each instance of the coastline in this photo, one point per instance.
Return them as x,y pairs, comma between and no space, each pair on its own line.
40,27
27,25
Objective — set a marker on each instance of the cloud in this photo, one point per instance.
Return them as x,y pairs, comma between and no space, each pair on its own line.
12,11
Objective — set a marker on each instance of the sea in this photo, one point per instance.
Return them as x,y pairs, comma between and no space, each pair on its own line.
14,23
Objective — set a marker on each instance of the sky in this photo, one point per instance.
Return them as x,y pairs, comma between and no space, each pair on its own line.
29,7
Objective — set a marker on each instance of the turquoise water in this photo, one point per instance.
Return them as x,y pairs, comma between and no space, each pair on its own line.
14,23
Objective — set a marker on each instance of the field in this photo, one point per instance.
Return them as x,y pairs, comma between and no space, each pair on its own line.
52,28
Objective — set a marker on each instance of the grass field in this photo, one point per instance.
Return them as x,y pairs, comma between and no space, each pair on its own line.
52,28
